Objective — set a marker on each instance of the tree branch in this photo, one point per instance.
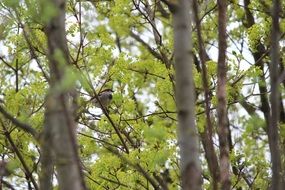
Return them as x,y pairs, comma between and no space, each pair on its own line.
136,166
18,123
207,135
19,155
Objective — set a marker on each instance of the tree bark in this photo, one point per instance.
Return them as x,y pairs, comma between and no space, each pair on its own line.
185,100
273,136
59,122
223,128
207,134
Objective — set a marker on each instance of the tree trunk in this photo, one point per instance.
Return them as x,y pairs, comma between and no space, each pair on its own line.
223,128
274,99
59,121
47,162
187,131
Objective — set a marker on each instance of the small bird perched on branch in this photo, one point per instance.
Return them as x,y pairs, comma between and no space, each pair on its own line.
105,98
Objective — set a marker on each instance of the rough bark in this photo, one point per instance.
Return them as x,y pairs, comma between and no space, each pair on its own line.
223,129
185,100
206,136
59,121
273,136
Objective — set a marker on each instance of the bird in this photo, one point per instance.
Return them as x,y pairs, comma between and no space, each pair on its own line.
105,97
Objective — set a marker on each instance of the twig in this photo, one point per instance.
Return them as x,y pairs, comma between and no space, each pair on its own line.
137,167
146,72
151,114
8,185
31,47
146,45
99,140
19,155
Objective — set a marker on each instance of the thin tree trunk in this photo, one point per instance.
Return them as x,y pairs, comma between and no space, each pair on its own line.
185,100
59,121
206,136
274,99
223,129
47,162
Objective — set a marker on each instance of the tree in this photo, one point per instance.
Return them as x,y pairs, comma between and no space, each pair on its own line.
129,46
184,96
273,137
59,125
223,128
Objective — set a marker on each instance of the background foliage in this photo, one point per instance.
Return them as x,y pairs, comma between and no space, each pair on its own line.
128,46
